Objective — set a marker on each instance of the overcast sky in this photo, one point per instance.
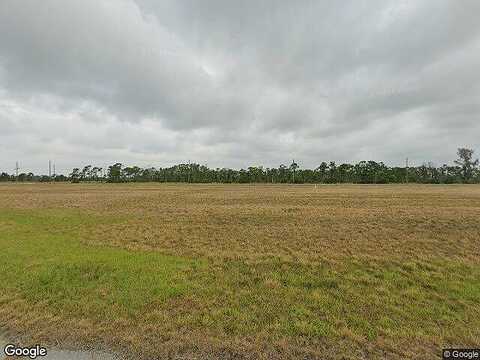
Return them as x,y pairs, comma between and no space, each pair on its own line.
237,83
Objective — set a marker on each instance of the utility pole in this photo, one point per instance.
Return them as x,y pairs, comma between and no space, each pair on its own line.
16,170
50,169
406,170
293,162
54,172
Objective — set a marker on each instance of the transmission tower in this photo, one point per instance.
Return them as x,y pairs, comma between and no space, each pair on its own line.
16,170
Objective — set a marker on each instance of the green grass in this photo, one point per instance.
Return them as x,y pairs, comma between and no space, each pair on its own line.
45,262
46,265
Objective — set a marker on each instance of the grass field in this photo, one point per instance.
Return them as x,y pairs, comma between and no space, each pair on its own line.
242,271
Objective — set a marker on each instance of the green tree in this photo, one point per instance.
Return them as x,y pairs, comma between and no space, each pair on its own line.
322,171
293,169
75,175
115,173
85,174
466,163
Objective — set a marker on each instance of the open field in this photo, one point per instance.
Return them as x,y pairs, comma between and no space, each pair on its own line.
242,271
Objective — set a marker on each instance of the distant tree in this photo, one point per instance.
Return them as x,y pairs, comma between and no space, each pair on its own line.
282,173
363,172
85,174
115,173
332,172
467,164
345,173
61,178
130,173
75,175
322,171
94,173
4,177
293,168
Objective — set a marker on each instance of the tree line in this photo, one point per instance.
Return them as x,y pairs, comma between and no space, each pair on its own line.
464,170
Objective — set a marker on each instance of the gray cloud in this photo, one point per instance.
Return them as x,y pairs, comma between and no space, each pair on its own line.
237,83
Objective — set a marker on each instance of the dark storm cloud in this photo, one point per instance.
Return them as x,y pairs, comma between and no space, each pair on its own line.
237,82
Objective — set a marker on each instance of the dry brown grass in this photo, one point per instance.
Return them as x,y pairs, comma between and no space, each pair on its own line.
297,223
360,233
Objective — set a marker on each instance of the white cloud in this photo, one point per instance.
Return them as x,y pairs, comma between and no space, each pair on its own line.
236,83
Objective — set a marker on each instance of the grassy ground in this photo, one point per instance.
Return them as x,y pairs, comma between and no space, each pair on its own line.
254,271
